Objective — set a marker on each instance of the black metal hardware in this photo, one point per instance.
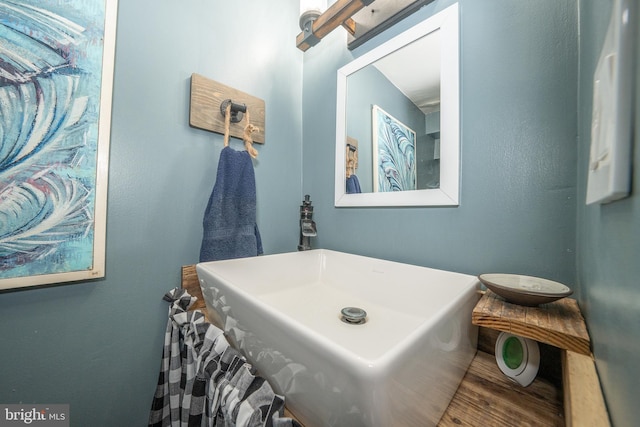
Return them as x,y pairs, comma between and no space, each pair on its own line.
237,110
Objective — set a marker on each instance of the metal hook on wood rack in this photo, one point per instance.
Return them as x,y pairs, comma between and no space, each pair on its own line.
237,110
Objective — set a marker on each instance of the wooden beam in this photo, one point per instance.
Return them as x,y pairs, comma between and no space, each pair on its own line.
350,26
583,400
333,17
385,15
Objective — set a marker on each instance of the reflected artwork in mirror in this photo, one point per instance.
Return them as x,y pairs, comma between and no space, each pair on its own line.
394,153
401,102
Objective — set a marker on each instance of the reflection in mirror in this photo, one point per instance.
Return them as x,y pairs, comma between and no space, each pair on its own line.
399,117
400,101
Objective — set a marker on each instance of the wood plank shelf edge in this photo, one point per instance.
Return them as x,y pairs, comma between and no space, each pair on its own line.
584,404
559,323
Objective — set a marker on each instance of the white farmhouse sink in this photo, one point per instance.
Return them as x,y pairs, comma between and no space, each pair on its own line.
400,368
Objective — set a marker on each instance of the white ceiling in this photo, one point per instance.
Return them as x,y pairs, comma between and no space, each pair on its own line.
414,74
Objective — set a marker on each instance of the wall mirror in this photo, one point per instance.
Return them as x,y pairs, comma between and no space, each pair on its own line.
397,122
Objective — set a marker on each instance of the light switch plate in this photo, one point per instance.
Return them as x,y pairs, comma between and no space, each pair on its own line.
609,176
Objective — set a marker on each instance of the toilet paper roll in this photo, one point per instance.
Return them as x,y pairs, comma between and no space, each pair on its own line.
518,358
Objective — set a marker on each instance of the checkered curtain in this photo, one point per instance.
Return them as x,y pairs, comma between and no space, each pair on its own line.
203,381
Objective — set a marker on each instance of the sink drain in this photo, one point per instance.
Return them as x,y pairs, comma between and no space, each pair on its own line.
353,315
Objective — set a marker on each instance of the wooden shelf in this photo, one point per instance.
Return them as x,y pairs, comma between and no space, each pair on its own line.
559,323
486,397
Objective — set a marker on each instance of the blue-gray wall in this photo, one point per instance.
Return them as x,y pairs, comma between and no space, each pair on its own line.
518,136
97,345
609,243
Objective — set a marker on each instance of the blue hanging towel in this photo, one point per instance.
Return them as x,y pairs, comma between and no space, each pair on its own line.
353,185
230,229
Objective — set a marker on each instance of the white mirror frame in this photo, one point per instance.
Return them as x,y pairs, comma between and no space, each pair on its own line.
448,194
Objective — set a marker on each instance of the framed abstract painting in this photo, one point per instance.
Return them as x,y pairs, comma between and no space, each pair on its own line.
56,83
394,147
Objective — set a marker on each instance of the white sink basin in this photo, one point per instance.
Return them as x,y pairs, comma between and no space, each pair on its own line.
401,367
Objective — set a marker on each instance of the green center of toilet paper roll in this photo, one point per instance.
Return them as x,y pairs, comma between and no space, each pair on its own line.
512,352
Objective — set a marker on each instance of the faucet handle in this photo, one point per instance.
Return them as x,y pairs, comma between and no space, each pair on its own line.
309,228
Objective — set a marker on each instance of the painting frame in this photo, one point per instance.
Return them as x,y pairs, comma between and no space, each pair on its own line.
87,119
394,147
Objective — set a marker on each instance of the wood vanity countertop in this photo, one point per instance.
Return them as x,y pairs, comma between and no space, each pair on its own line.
486,397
